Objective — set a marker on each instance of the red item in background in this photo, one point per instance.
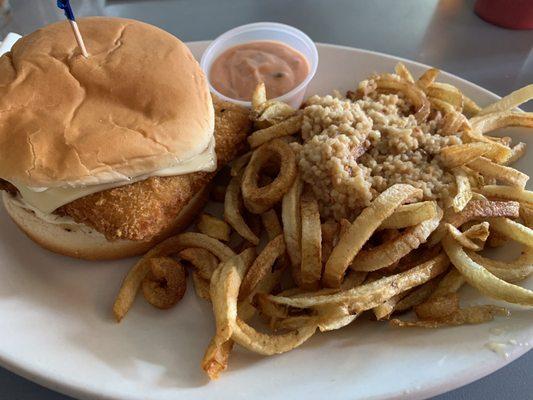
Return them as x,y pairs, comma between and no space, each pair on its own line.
513,14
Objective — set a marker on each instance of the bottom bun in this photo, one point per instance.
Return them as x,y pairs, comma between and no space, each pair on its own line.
81,241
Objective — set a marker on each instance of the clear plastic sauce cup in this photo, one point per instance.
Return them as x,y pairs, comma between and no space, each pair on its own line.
264,31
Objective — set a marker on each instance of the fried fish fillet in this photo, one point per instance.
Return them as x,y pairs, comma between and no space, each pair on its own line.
143,210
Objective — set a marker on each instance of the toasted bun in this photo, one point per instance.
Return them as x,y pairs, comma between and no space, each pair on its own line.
139,103
80,241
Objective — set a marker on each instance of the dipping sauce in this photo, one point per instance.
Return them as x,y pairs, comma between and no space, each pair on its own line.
238,70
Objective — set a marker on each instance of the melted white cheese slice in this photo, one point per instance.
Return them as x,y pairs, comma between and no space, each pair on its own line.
46,200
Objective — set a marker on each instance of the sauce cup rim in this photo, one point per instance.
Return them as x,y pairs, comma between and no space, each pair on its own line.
207,57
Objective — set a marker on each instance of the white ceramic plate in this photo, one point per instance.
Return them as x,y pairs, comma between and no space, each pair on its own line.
56,326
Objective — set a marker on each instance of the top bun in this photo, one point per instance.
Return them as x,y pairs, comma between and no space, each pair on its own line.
138,104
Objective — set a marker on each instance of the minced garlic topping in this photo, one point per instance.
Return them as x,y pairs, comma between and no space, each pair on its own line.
354,150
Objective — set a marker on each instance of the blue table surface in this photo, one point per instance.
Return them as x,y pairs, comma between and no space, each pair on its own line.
445,33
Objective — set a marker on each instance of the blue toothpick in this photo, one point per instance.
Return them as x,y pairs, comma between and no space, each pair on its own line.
65,5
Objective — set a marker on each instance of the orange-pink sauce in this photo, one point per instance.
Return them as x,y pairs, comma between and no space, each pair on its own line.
237,71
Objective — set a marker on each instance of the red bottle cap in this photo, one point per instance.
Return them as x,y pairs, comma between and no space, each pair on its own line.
513,14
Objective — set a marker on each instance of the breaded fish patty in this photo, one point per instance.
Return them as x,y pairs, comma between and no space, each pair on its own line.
142,210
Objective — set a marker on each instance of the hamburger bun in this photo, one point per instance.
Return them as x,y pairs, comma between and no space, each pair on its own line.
81,241
138,104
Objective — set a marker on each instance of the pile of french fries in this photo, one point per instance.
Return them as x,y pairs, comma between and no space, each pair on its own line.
401,253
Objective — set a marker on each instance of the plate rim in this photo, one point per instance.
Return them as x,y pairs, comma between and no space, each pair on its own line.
424,391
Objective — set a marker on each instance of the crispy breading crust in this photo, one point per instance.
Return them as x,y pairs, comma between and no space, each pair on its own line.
8,187
142,210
